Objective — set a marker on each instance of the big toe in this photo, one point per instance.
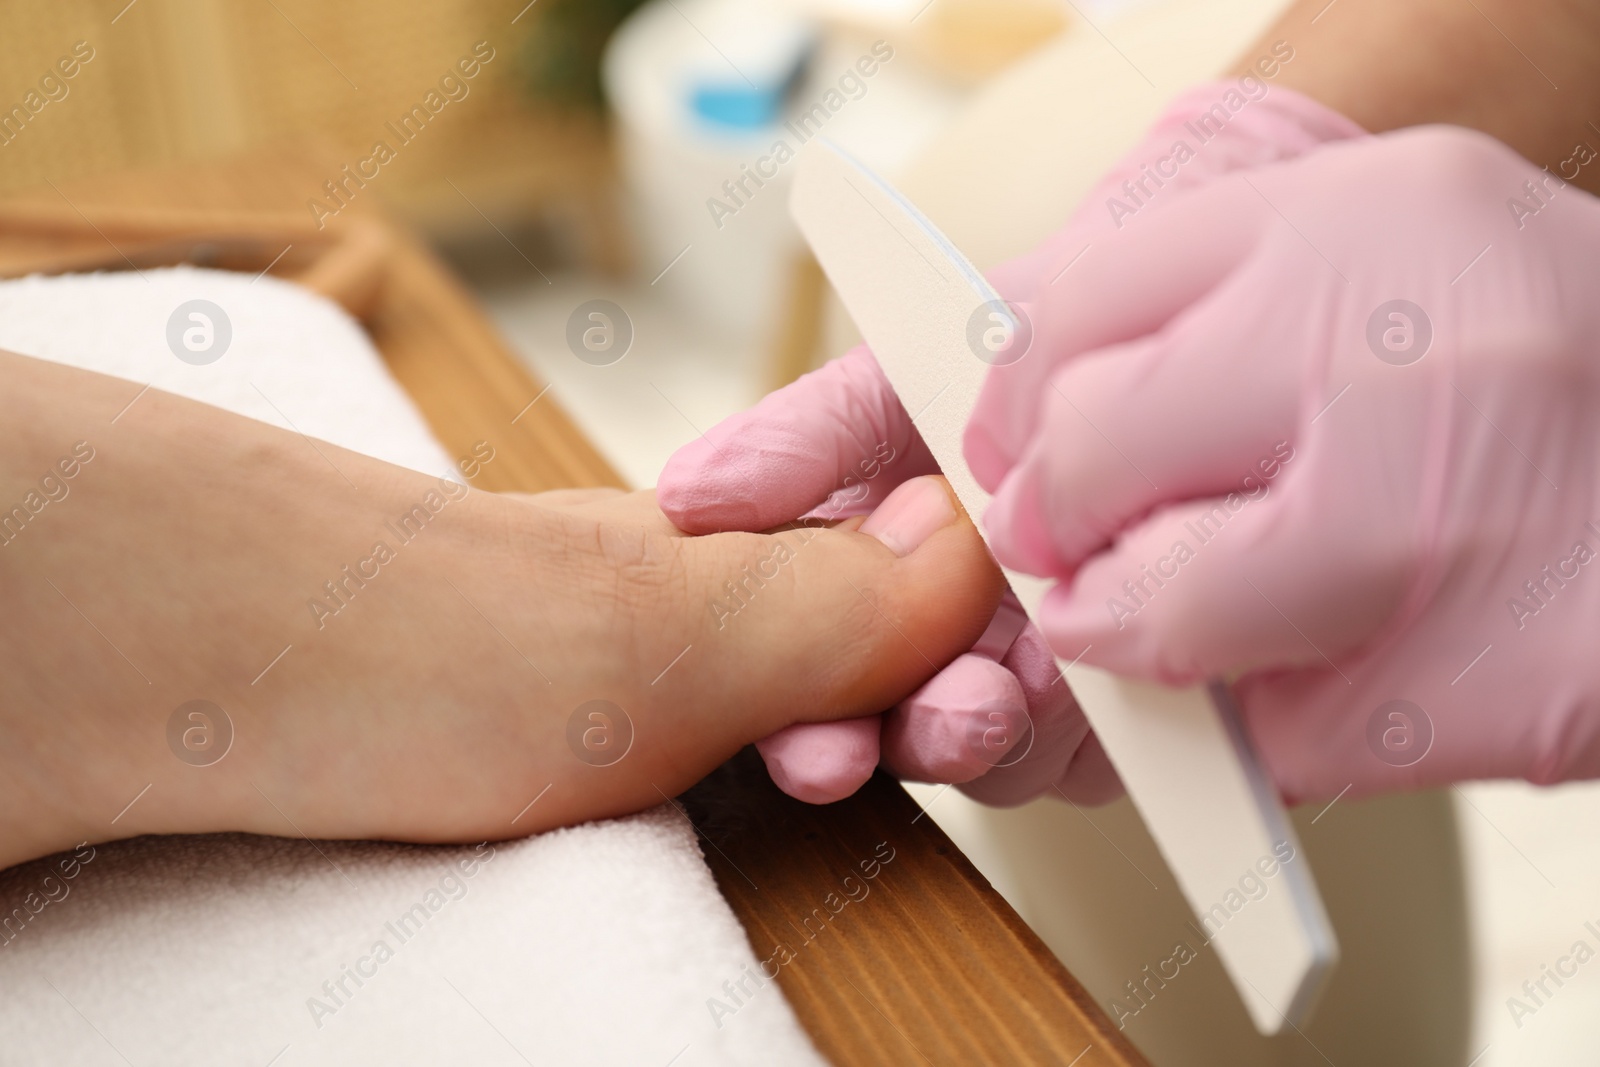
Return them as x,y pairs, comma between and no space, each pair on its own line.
815,624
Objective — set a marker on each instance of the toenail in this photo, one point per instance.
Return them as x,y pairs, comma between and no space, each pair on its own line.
911,514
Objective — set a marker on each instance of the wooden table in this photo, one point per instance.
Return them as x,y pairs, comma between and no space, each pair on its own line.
889,944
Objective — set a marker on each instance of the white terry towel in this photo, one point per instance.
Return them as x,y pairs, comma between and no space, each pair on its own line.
600,944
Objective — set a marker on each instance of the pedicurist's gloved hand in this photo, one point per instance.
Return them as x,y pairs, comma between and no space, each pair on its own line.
836,442
1333,424
830,447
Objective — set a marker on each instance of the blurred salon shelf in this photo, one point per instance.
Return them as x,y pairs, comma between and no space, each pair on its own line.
176,82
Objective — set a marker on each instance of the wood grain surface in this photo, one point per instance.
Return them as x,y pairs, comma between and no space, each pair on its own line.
889,944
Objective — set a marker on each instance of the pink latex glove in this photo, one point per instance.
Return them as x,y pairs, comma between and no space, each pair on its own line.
1243,453
998,720
832,446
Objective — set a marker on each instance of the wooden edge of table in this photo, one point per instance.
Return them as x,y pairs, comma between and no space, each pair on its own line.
888,943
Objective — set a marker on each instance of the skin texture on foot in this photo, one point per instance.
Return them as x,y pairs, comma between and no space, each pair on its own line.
398,657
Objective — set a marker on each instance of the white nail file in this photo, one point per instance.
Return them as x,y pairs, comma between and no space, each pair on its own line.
1182,753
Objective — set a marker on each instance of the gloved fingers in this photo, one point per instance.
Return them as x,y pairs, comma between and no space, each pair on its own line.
1321,732
838,430
1408,711
1056,727
1065,759
1003,730
1128,286
821,762
1090,778
964,719
1273,129
1180,415
1019,280
970,717
1287,579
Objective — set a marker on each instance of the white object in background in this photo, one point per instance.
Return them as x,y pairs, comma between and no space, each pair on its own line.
1182,754
735,270
731,276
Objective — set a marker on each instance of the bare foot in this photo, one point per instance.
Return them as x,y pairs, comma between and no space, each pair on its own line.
379,654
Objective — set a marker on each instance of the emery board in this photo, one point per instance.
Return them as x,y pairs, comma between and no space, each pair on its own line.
1182,753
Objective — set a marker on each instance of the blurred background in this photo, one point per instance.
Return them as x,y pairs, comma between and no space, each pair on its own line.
566,151
579,164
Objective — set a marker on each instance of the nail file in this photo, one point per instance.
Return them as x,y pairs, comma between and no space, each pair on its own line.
1182,753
